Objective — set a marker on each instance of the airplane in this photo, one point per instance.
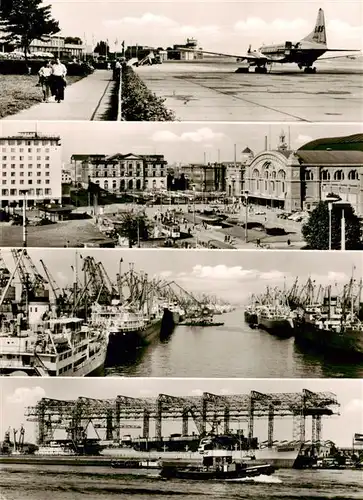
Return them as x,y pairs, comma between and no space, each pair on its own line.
304,53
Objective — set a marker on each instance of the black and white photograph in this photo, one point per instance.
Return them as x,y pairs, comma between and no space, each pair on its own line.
216,186
172,438
181,226
163,61
182,314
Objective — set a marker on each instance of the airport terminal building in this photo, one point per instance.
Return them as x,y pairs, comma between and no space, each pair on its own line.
298,180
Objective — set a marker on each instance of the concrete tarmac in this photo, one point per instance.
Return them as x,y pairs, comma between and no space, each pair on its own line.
213,91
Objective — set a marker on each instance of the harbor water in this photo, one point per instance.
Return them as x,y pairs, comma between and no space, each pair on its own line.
95,483
232,350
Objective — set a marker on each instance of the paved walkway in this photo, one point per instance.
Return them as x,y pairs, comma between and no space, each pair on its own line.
86,99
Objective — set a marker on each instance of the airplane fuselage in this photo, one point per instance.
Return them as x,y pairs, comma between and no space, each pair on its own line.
302,53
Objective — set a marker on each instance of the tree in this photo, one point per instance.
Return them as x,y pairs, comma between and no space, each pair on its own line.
316,230
134,227
27,21
75,40
5,7
102,48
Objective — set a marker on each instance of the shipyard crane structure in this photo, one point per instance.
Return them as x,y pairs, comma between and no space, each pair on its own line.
33,283
207,412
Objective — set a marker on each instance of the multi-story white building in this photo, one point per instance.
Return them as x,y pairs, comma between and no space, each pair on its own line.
120,173
30,169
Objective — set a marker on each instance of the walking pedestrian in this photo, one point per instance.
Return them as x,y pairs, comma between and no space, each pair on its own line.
59,72
117,71
45,74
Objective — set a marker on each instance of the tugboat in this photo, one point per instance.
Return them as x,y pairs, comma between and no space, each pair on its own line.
206,321
216,465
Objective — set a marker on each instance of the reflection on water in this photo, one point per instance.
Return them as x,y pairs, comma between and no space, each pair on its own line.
232,350
94,483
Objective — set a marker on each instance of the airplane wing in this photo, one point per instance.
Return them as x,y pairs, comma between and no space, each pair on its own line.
343,50
334,57
249,56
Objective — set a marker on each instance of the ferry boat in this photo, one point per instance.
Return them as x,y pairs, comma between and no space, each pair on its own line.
64,346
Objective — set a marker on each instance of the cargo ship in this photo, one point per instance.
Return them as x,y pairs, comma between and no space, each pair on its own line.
270,312
328,328
190,449
276,320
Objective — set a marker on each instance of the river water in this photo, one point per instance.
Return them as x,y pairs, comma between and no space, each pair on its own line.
231,350
29,482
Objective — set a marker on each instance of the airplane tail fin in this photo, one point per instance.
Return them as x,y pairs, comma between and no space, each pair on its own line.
318,35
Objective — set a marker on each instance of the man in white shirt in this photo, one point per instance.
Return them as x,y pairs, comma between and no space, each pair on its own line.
59,72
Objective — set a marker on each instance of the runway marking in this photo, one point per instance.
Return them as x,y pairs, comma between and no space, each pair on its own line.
249,101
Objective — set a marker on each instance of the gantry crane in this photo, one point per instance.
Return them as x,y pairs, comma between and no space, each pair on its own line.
207,411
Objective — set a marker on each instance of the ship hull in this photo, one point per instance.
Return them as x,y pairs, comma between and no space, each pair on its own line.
169,320
123,345
250,318
286,458
199,474
280,327
349,342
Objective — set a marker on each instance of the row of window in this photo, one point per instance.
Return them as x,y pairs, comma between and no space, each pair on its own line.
127,174
21,150
338,175
21,181
21,174
27,142
128,165
21,165
14,192
130,184
325,175
21,158
269,186
281,174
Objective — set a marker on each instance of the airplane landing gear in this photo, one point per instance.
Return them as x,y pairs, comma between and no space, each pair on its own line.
310,69
260,69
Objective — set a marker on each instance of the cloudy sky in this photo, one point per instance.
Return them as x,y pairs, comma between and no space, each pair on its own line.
17,394
231,275
224,26
179,142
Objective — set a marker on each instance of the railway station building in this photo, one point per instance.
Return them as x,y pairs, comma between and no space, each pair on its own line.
299,180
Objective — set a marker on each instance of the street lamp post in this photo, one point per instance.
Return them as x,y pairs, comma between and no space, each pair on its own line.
193,187
331,199
330,207
342,247
25,231
342,205
246,217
